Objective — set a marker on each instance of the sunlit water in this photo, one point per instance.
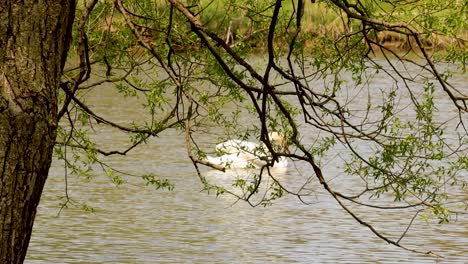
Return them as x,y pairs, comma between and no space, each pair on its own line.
137,224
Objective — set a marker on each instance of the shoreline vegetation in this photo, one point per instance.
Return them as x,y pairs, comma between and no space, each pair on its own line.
321,26
320,21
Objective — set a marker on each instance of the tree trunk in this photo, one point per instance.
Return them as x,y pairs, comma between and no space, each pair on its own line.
34,40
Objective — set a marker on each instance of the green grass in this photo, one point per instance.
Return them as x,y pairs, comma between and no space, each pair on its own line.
441,24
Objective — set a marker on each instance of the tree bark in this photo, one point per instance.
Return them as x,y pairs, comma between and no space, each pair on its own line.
34,40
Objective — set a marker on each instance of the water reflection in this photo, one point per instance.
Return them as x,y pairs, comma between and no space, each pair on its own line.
135,224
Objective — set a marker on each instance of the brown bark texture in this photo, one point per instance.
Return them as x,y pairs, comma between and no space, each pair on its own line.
34,40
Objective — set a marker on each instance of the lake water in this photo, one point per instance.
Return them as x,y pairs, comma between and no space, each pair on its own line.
132,223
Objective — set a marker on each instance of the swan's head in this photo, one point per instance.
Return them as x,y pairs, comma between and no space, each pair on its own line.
279,140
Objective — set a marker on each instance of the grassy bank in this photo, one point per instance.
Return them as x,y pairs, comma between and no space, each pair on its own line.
249,24
245,23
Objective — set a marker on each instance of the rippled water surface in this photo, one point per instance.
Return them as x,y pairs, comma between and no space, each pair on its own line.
136,224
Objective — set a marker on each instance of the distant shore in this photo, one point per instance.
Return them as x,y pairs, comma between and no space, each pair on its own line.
319,22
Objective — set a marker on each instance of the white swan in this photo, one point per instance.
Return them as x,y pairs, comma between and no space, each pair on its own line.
235,145
233,161
247,155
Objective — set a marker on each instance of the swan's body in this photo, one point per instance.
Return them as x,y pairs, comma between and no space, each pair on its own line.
233,146
233,161
245,154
